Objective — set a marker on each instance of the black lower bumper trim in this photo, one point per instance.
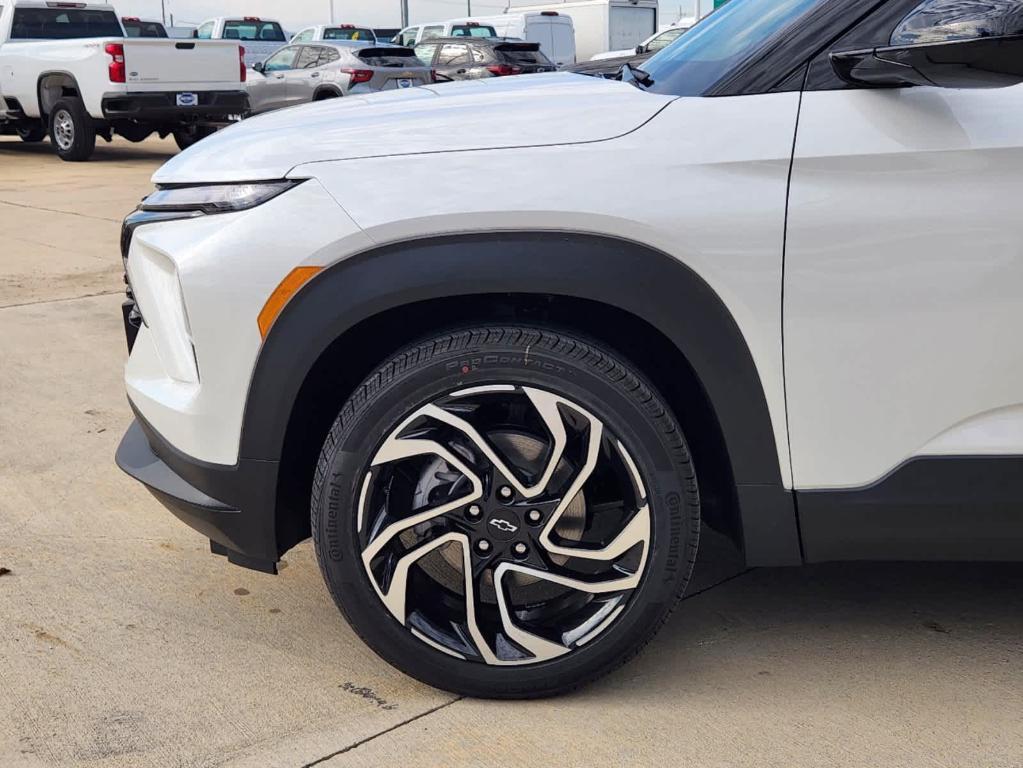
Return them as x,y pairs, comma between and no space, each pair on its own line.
238,520
210,106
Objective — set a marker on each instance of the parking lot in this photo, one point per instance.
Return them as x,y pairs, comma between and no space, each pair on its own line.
124,643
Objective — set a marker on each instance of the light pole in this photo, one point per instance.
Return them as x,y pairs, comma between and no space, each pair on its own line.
404,13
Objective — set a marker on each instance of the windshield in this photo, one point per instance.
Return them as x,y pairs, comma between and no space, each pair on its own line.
472,30
720,43
144,29
348,33
252,29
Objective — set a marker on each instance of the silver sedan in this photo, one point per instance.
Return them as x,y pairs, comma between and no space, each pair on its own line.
298,74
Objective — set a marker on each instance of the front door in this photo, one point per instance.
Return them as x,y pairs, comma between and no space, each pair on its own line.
903,275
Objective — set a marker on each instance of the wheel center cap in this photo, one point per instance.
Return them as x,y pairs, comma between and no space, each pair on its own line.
503,525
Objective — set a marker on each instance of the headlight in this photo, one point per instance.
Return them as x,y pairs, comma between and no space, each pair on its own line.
216,198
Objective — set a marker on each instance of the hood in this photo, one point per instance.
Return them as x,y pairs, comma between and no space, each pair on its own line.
528,110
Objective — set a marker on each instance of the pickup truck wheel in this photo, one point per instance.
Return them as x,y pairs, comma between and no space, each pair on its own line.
71,130
505,511
33,134
192,134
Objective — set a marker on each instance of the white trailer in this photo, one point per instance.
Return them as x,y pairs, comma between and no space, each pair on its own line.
603,25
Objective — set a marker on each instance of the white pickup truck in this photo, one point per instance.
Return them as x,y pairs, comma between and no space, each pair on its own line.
261,37
67,69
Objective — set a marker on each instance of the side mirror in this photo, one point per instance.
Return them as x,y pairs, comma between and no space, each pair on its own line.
640,49
195,34
259,66
944,43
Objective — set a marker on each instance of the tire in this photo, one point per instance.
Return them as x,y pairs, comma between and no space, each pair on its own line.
193,134
72,132
33,134
516,385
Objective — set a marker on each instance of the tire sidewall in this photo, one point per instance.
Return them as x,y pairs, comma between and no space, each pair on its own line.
673,506
84,141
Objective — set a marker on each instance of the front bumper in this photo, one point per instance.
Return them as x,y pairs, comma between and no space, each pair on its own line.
232,506
162,107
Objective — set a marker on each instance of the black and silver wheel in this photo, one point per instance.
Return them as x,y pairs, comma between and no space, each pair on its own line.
505,512
32,134
71,130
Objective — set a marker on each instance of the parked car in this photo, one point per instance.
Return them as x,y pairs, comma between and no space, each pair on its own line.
336,32
261,37
604,25
552,30
460,58
608,68
298,74
503,394
68,70
410,36
136,27
651,45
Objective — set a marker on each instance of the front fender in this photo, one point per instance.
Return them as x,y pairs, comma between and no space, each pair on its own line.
623,274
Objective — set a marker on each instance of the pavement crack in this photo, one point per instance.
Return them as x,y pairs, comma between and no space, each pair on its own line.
57,210
384,732
55,301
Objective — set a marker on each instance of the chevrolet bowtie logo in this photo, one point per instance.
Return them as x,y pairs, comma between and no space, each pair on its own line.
504,525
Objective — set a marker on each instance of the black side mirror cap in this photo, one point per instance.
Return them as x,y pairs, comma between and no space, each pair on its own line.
987,62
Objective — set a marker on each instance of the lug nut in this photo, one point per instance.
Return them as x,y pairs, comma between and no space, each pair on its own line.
520,549
483,546
474,512
534,516
505,492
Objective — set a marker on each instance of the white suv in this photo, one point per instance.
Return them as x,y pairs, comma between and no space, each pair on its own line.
430,330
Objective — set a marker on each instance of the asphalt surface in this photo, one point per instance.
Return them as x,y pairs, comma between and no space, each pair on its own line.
123,642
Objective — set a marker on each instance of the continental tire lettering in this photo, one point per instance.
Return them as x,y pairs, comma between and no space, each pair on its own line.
333,514
674,504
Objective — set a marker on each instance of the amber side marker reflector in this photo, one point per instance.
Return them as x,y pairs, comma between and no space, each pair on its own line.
287,288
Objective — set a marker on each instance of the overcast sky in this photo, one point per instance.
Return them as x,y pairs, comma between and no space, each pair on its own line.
297,13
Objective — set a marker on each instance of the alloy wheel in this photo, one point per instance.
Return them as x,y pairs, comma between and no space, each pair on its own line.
64,129
503,524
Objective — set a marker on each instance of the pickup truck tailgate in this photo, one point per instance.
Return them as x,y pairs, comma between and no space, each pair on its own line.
170,62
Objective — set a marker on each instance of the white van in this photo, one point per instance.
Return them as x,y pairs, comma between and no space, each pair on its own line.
417,33
552,30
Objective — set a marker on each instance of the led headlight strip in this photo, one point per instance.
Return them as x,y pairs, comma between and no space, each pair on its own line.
215,198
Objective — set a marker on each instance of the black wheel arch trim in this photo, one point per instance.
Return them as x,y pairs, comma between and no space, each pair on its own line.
630,276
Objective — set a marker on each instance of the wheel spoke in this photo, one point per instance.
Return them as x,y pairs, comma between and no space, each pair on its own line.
546,406
395,449
394,597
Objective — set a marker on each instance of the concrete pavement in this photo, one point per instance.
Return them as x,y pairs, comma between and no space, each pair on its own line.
124,643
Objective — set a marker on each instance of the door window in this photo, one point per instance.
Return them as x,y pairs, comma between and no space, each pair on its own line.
205,32
453,55
433,31
426,51
407,37
308,58
283,59
327,56
304,36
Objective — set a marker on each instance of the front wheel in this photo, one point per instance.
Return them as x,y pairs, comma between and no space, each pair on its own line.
192,134
505,512
72,131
